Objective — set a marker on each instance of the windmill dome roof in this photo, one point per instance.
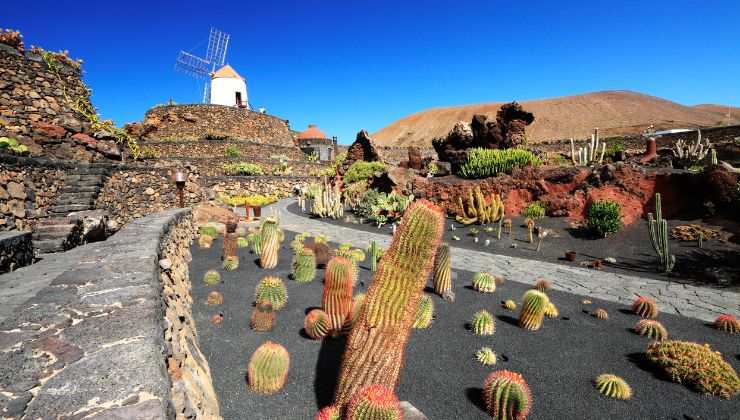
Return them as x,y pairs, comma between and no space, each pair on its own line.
312,132
226,72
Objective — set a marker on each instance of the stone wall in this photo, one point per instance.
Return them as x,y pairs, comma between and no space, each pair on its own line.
215,166
27,191
217,148
16,250
279,186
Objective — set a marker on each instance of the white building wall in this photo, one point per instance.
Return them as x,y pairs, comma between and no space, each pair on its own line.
223,91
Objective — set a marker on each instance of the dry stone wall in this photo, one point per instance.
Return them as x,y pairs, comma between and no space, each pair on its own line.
16,250
217,148
26,192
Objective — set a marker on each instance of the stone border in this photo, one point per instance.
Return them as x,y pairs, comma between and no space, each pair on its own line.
16,250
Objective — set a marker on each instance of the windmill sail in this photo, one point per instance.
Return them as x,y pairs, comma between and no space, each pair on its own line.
201,68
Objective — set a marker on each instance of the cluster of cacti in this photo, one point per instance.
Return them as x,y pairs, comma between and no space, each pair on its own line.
304,265
478,209
375,252
484,282
485,356
337,297
645,307
214,298
613,386
442,276
589,154
329,413
424,313
600,314
659,236
727,323
686,155
651,329
242,242
268,368
551,311
384,324
696,365
328,202
317,324
507,396
255,239
542,285
374,402
271,289
205,241
534,304
485,162
483,323
211,277
263,316
510,305
269,243
231,263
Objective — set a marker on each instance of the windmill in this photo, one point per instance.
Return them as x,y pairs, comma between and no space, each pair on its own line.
201,68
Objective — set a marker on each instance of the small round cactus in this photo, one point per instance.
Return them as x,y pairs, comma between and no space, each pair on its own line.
551,311
273,290
507,395
483,323
499,280
484,282
424,313
542,285
268,368
510,305
601,314
304,266
613,386
205,241
645,307
651,329
727,323
534,304
263,317
486,356
374,402
211,277
242,242
328,413
316,324
214,298
231,263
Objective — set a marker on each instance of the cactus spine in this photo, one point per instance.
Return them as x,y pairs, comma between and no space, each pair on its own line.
269,243
272,290
374,402
304,265
268,368
424,313
263,317
484,282
659,236
507,396
376,345
442,278
534,304
328,413
337,297
356,308
317,324
375,252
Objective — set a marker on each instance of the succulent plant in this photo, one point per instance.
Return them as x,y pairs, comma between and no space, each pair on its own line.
205,241
269,244
357,302
242,242
229,245
507,396
727,323
442,277
542,285
483,323
484,282
374,402
211,231
272,289
651,328
534,304
304,266
211,277
375,252
337,297
255,239
510,305
231,263
551,311
424,313
316,324
268,368
601,314
645,307
478,209
486,356
263,316
214,298
613,386
329,413
354,255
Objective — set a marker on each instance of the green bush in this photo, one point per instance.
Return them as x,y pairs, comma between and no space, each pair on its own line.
232,152
362,171
484,163
13,145
605,217
243,168
535,210
381,207
613,150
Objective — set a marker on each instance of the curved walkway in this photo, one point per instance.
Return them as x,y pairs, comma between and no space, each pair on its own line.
686,300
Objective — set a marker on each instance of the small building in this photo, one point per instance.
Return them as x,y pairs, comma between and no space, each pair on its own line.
228,88
313,140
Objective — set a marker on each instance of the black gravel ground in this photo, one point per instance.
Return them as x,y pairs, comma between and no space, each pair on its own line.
441,378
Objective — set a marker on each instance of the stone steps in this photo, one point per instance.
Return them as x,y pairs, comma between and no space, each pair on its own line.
49,238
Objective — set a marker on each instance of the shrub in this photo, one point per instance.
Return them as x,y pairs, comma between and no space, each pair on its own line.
362,171
13,145
613,150
535,210
381,207
483,163
605,217
211,231
232,152
12,38
244,168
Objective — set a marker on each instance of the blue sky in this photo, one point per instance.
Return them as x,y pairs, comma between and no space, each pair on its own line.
348,65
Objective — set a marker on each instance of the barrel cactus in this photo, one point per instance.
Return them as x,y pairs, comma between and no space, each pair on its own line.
304,265
551,311
727,323
316,324
211,277
483,323
486,356
214,298
205,241
271,289
337,297
268,368
507,396
263,316
374,402
329,413
231,263
651,328
424,313
242,242
484,282
534,304
510,305
613,386
542,285
270,243
601,314
645,307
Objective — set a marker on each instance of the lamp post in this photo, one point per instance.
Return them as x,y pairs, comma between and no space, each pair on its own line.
180,178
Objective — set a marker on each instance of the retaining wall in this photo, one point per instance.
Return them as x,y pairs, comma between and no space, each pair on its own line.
16,250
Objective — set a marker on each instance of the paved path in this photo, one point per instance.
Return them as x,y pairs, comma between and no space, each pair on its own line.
691,301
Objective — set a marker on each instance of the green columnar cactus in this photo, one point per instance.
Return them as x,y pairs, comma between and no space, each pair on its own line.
375,252
356,256
329,413
486,356
304,266
374,402
337,297
270,243
645,307
424,313
483,323
211,277
317,324
659,236
272,289
242,242
551,311
651,329
484,282
328,202
255,239
357,303
442,277
268,368
727,323
376,345
613,386
231,263
507,396
534,304
263,317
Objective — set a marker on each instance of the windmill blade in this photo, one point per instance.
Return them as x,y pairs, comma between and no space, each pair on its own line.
192,65
218,41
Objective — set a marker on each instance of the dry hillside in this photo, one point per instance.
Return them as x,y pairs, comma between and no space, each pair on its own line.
614,112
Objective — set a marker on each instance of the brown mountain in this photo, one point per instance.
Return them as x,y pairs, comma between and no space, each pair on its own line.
614,112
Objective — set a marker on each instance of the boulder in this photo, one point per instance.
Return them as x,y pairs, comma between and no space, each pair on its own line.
94,224
363,148
207,212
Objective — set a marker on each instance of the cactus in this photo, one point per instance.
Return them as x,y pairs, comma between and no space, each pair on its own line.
486,356
600,314
534,304
713,157
329,413
231,263
357,302
229,245
337,297
659,236
484,282
727,323
651,329
530,228
442,277
375,252
269,243
211,277
376,345
686,155
273,290
255,239
613,386
542,285
263,317
317,324
356,256
645,307
214,298
424,313
589,154
328,202
510,305
507,396
374,402
483,323
478,209
268,368
551,311
205,241
304,266
211,231
242,242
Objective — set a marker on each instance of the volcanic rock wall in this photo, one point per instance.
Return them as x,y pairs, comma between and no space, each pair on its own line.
27,190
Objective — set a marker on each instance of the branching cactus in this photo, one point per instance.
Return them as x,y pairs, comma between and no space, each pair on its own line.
589,154
337,297
304,265
376,346
375,252
442,278
659,236
507,396
425,313
484,282
317,324
534,304
271,289
374,402
263,317
268,368
269,244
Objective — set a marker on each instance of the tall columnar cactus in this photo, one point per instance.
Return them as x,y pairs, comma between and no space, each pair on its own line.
375,252
304,265
659,236
589,154
424,313
534,304
507,396
269,244
484,282
374,402
376,345
337,297
268,368
272,289
478,209
328,202
316,324
442,277
263,317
